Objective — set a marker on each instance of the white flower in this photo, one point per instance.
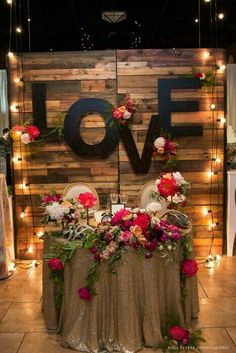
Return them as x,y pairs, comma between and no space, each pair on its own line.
25,138
158,181
169,247
178,178
169,198
127,115
55,211
154,221
154,207
159,142
177,198
203,76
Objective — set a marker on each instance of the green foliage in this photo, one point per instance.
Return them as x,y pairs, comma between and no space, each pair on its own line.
209,80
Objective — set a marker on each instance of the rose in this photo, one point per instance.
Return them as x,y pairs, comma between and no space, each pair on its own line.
167,187
87,199
151,245
51,198
25,138
125,236
154,207
33,132
84,293
127,115
55,264
159,142
116,114
18,128
178,178
161,150
189,267
176,236
178,333
119,216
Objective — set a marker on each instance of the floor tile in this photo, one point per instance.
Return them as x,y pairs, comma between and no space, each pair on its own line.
10,342
23,317
232,333
42,343
35,273
201,292
217,340
217,312
3,309
20,291
213,285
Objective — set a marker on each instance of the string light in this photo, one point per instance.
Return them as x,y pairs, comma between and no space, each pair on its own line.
221,16
206,55
212,261
14,107
221,120
18,29
221,67
22,214
10,54
9,2
207,0
213,106
16,159
24,186
196,20
30,249
40,234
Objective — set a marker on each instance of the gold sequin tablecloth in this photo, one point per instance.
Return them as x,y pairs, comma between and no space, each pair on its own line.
130,308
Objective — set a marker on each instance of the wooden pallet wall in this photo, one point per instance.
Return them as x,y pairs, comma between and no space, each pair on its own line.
70,76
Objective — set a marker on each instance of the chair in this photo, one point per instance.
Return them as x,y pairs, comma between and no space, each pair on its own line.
73,190
144,197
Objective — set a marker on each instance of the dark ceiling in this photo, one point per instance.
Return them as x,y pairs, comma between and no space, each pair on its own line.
62,25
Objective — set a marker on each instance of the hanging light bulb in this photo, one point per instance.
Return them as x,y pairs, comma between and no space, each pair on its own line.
205,211
221,16
14,107
207,0
18,29
22,214
9,2
24,186
16,159
221,120
213,106
40,234
10,54
206,55
196,20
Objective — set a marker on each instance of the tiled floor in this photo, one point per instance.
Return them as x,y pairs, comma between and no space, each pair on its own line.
22,328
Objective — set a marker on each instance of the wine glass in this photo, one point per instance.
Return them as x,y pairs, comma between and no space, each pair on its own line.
114,197
123,198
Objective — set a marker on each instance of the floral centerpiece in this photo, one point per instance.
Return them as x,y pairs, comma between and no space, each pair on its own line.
128,229
27,133
173,188
165,147
66,211
123,114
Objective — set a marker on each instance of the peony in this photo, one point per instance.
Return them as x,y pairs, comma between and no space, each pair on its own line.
121,109
167,187
154,207
87,199
55,264
84,293
151,245
119,216
142,220
54,211
25,138
33,132
161,150
178,333
136,230
159,142
189,267
51,198
117,114
127,115
18,128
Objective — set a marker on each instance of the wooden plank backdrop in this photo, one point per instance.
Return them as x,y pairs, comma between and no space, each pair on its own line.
70,76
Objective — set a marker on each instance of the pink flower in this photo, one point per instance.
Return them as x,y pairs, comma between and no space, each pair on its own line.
87,199
189,267
125,236
18,128
117,114
200,75
47,199
55,264
178,333
119,215
33,132
84,293
151,245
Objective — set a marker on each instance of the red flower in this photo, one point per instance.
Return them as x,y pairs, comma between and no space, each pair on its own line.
51,198
178,333
151,245
119,215
55,264
142,220
117,114
84,293
33,132
167,187
87,199
189,267
199,75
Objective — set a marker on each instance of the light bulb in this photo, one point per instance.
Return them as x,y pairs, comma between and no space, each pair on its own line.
29,20
196,20
16,159
221,120
221,16
22,214
222,67
210,174
207,0
14,107
40,234
10,54
9,2
213,106
18,29
206,54
205,211
24,186
30,249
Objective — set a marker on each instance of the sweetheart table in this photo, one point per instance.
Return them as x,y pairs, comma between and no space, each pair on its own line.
130,308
